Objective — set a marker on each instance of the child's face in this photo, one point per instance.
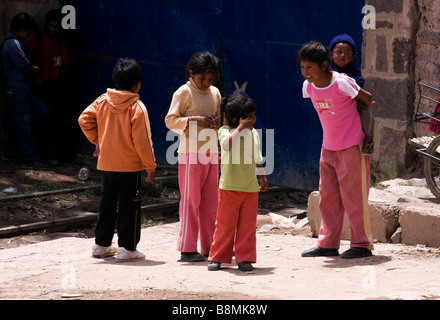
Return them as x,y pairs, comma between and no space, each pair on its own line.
342,54
312,71
53,28
203,80
24,34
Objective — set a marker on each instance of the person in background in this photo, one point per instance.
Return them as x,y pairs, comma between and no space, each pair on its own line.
29,116
51,53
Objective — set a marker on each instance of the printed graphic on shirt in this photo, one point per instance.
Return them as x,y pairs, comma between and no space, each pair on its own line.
325,105
57,61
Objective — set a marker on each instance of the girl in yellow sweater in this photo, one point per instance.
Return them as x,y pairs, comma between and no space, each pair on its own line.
193,114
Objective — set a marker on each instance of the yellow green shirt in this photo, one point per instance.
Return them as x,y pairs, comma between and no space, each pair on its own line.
239,163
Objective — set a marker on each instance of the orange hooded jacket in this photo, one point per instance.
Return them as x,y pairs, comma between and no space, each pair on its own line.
116,122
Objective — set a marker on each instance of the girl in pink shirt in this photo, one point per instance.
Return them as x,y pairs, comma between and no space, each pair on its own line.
344,170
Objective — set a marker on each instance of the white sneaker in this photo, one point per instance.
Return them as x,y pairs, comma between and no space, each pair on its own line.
102,252
124,255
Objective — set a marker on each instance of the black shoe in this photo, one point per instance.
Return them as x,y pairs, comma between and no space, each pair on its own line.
191,257
214,266
245,266
320,252
356,252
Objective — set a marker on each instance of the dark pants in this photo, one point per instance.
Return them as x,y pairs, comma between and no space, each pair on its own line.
53,93
30,120
121,207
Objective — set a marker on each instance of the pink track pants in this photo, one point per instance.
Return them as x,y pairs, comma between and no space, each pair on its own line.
344,187
198,183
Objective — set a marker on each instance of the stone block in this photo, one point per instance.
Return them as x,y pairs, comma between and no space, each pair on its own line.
401,56
389,6
384,219
384,25
391,139
381,54
391,96
420,226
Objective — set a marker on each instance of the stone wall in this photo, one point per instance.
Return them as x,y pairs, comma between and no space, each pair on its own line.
389,71
402,51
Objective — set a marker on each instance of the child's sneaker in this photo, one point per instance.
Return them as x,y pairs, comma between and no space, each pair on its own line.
102,252
124,255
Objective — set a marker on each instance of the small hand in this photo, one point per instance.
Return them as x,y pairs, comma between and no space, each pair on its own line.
264,185
97,151
247,123
205,122
150,177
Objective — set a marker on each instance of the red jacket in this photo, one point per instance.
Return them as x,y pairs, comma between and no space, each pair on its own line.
52,54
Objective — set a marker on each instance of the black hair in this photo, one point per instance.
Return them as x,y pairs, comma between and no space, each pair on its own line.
127,73
203,62
54,15
236,107
314,51
23,21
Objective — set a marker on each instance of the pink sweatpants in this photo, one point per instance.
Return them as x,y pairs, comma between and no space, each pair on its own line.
344,187
198,184
236,222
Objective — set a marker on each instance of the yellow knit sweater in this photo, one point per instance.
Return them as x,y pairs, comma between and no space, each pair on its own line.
189,101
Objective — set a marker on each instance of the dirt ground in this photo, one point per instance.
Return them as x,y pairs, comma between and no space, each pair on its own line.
18,181
58,266
63,269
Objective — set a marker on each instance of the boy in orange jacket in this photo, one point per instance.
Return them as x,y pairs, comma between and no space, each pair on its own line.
117,123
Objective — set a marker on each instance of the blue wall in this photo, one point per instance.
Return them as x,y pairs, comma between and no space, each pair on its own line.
257,40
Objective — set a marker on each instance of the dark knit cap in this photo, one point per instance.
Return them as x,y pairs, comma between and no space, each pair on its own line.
344,38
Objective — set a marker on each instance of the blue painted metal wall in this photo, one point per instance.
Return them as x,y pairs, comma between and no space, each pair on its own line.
257,40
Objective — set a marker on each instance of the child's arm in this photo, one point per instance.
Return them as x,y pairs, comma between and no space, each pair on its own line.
365,97
150,177
247,123
264,185
88,123
97,151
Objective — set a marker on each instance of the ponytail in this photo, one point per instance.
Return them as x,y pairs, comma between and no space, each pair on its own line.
223,105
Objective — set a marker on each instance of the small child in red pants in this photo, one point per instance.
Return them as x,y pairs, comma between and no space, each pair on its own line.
238,188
